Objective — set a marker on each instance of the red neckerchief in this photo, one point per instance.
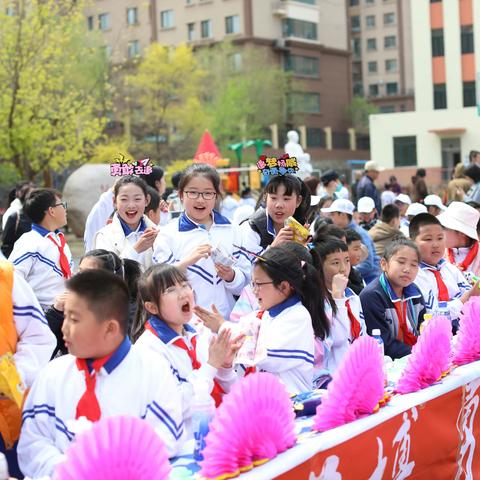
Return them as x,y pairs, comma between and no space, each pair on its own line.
253,368
443,295
64,264
355,327
472,253
404,334
88,405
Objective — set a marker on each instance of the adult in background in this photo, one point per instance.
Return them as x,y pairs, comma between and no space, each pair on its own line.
395,186
419,190
459,185
474,157
15,204
473,172
366,186
329,183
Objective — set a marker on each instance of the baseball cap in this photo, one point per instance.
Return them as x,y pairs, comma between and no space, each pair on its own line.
401,197
461,217
371,165
340,205
415,208
434,200
365,205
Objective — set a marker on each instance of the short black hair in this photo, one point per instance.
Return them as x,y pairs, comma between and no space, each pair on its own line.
154,200
323,230
176,177
38,201
129,179
389,212
106,294
352,235
151,178
421,172
473,172
421,220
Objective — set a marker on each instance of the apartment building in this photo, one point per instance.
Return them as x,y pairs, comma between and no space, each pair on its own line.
381,43
445,125
309,38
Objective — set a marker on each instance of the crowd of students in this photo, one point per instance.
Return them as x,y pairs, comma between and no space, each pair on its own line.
160,302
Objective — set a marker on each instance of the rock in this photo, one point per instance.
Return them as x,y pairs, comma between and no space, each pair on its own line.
82,190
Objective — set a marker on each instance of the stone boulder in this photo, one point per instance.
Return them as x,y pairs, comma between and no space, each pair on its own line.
82,190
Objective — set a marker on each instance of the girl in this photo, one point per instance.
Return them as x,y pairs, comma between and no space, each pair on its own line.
168,302
393,303
346,316
131,234
291,315
128,270
285,196
192,241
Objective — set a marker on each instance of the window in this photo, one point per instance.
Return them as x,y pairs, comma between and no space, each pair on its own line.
390,41
133,48
439,96
305,102
315,137
467,39
369,2
236,61
438,48
132,16
190,32
371,44
358,89
301,65
405,151
392,88
104,21
354,3
388,18
232,24
300,29
370,21
309,2
90,23
206,28
373,90
372,67
355,23
166,19
387,109
391,65
356,47
469,94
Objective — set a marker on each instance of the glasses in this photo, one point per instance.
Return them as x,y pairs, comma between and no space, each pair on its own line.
63,204
256,285
179,289
205,195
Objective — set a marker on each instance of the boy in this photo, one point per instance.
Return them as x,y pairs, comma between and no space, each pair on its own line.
104,376
41,256
460,222
356,254
386,229
438,280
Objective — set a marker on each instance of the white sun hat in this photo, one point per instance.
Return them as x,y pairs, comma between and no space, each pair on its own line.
461,217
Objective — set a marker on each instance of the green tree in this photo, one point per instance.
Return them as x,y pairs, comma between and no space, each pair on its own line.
358,113
52,77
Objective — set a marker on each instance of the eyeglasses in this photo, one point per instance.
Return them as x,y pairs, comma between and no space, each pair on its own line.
63,204
205,195
256,285
179,289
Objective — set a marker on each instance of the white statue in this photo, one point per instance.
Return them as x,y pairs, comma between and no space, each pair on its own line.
294,149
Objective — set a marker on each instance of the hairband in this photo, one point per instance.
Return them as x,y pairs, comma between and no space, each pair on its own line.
283,165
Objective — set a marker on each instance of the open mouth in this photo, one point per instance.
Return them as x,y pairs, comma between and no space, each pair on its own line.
186,307
131,215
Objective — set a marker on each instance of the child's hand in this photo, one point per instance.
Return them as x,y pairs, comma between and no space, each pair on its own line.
234,347
284,235
219,349
475,290
202,251
339,284
60,301
163,206
146,240
212,320
225,273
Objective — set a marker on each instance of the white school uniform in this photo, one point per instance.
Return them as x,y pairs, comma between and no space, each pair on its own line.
453,278
97,218
459,255
252,240
118,238
37,260
36,341
132,382
177,240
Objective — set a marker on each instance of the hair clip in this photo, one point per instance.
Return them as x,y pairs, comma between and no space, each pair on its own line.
250,253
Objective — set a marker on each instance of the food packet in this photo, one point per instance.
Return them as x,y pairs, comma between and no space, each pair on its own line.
300,233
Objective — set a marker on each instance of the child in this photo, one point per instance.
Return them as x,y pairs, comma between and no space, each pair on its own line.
104,376
131,234
460,222
438,280
189,241
345,310
153,210
387,229
168,300
42,256
412,210
356,254
393,303
291,315
434,205
285,196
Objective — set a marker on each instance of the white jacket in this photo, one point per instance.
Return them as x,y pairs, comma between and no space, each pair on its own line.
97,218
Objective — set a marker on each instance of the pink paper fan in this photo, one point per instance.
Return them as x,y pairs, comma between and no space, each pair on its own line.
467,348
255,422
356,387
429,358
116,448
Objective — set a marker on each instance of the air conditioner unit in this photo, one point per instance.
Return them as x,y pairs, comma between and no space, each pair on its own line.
280,44
279,8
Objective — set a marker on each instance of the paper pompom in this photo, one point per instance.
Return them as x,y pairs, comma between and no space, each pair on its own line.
467,349
356,387
116,448
429,358
253,424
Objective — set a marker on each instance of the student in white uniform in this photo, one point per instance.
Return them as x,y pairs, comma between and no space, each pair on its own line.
104,376
131,234
189,242
42,256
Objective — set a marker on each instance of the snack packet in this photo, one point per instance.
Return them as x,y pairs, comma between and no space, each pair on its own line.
219,255
300,233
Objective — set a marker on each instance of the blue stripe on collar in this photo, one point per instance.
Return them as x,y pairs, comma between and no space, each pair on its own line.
185,224
409,292
42,230
117,356
349,293
127,230
277,309
270,226
165,333
438,266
